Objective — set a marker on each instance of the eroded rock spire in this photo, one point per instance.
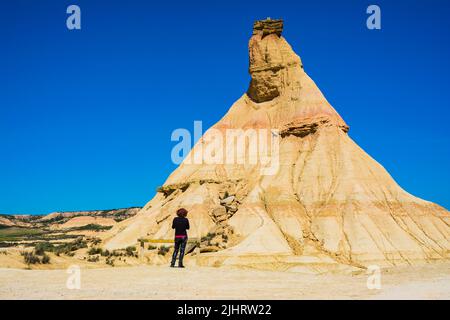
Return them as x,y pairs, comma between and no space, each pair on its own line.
269,57
328,206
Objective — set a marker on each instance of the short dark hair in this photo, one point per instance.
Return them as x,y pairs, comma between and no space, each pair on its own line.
182,212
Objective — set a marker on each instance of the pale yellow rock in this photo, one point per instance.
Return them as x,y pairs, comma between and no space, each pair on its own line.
328,204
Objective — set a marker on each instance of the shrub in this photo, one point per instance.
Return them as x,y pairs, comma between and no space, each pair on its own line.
92,251
92,227
68,248
96,241
41,247
130,251
30,258
116,253
208,237
55,219
45,259
110,261
105,253
151,247
163,250
93,259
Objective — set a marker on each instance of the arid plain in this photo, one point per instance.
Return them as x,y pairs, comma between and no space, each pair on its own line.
160,282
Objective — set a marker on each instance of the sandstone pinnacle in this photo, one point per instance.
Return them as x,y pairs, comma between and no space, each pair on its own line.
328,205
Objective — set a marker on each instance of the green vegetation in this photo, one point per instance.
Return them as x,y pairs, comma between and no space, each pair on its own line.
30,258
117,214
41,231
117,253
69,247
45,259
57,219
51,237
17,233
163,250
131,251
110,261
93,259
41,247
40,238
208,237
96,241
91,227
92,251
11,236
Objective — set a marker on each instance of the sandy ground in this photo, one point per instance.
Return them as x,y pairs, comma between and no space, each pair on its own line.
157,282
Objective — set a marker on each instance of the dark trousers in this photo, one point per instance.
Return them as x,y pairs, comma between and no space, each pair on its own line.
180,245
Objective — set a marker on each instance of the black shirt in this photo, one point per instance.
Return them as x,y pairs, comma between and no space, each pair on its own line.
180,224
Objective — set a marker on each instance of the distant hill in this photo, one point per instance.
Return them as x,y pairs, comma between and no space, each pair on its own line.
63,220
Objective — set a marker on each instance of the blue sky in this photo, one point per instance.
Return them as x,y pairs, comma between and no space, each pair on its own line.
86,116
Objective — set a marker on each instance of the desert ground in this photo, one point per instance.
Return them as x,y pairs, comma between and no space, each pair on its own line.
431,281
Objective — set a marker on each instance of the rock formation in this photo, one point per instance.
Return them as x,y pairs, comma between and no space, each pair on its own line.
329,204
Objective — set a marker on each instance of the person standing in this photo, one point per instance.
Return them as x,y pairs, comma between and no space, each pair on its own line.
181,225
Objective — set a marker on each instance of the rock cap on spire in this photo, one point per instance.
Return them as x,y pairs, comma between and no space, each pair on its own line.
268,26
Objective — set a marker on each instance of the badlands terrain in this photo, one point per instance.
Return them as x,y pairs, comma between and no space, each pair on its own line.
307,226
54,240
326,204
134,277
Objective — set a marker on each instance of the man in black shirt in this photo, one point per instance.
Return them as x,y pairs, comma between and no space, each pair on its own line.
180,224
